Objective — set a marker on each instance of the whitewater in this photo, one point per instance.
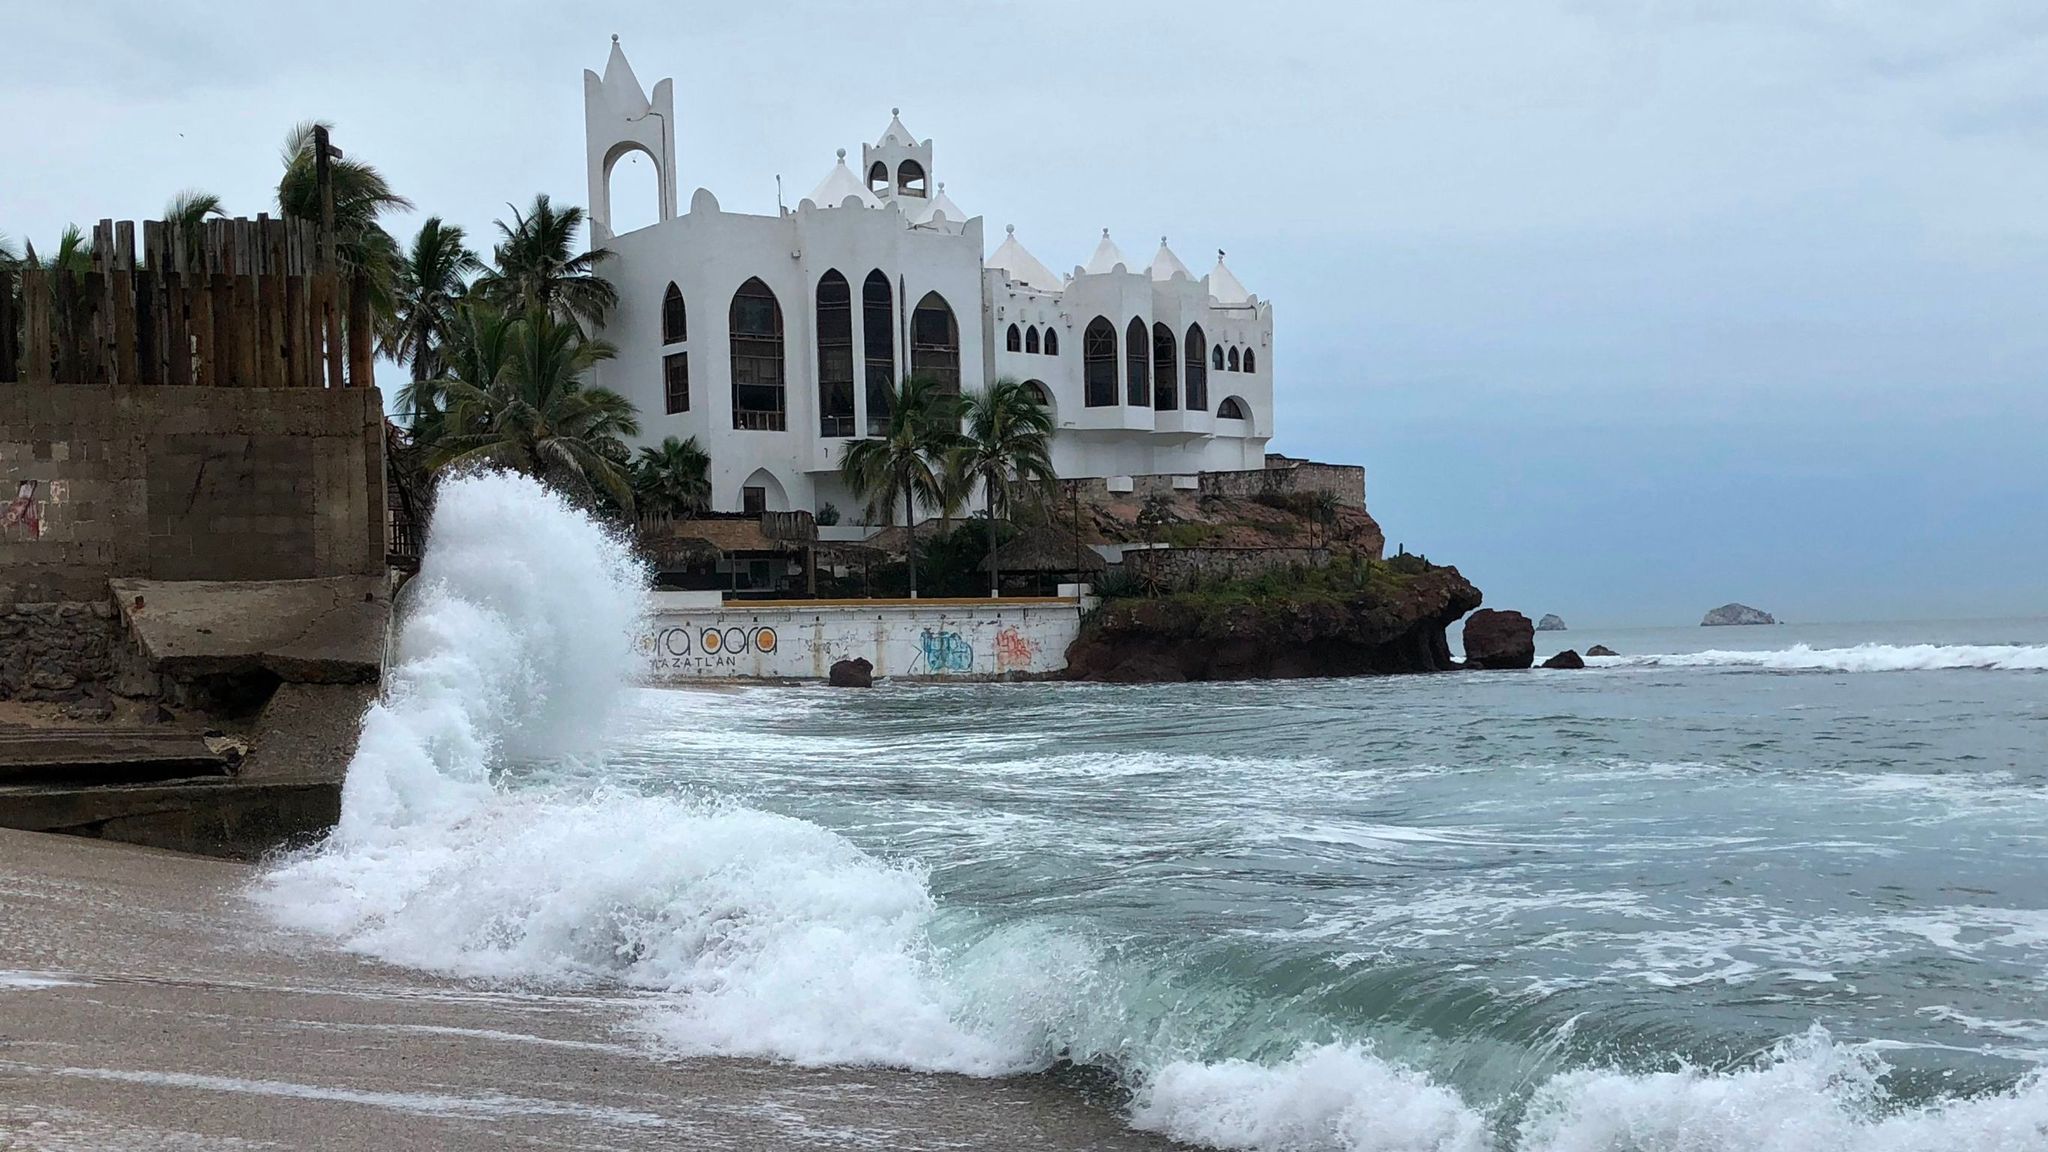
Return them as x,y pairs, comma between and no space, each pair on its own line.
1286,918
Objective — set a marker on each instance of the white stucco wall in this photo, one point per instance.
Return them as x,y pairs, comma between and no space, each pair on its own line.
937,639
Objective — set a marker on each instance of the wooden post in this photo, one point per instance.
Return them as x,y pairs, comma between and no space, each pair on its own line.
120,297
324,153
299,366
265,274
199,298
247,333
36,320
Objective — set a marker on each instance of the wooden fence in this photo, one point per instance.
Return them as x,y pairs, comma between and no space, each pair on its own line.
230,303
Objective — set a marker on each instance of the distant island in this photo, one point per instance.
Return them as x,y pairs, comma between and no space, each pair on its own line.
1551,622
1736,614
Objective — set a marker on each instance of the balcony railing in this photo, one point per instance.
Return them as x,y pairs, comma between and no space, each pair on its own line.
748,420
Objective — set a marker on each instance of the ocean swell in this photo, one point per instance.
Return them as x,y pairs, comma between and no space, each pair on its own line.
1860,658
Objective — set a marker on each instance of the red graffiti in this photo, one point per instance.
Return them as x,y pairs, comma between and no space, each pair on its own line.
24,510
1013,650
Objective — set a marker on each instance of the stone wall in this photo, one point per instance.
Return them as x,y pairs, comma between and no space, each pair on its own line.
1184,567
1345,481
923,639
189,483
56,651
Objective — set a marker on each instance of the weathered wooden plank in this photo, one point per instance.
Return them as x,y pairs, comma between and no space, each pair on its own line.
248,338
10,355
121,298
37,326
331,307
299,365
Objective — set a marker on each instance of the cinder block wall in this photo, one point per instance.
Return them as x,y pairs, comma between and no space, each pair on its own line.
189,484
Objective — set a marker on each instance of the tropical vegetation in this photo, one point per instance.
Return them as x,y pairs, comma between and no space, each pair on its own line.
673,478
1006,449
907,464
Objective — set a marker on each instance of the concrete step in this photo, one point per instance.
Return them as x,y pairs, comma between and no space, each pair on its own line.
83,757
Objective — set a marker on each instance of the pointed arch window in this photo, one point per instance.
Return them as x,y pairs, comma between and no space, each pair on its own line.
910,179
935,342
835,355
1196,354
1015,341
878,333
1165,378
1137,366
757,373
675,382
1031,339
1250,364
1039,395
1052,342
675,319
1098,363
1233,360
1231,409
1216,357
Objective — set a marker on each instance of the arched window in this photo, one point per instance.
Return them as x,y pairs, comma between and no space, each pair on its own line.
1098,363
1031,339
1015,341
1250,365
757,359
835,355
878,332
1039,395
1233,360
878,178
675,382
1231,409
1052,342
935,342
1196,359
1216,357
675,319
910,178
1137,366
1165,379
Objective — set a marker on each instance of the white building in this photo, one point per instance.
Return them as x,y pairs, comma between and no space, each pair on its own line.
775,339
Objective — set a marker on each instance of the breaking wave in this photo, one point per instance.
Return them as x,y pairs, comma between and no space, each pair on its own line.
1860,658
479,837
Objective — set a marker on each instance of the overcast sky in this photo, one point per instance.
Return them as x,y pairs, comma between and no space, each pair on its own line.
1628,307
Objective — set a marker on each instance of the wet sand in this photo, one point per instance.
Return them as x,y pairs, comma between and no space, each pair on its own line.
144,1006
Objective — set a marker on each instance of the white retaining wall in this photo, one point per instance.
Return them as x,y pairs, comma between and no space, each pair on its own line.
800,640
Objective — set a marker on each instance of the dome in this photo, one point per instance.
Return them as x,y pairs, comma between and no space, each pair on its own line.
1165,263
1106,257
1224,285
840,183
1021,266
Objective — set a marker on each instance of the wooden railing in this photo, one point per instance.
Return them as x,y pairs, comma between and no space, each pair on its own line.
231,303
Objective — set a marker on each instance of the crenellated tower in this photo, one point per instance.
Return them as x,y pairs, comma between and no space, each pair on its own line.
897,167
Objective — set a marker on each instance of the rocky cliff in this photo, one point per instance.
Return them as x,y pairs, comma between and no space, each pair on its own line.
1736,614
1377,618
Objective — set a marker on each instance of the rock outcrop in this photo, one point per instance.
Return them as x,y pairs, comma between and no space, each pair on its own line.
1390,627
1568,659
1496,640
1736,614
1551,622
1601,650
854,673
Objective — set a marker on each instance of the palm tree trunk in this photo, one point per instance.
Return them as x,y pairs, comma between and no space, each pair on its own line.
910,533
995,579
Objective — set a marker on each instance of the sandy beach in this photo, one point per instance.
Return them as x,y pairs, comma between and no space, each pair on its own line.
143,1005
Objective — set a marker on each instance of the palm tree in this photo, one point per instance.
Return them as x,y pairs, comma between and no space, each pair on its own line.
187,213
477,348
673,478
366,254
908,461
432,277
74,253
535,415
1007,449
8,256
539,267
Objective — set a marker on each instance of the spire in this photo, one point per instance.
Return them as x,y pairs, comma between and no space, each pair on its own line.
1165,263
840,183
621,86
1224,285
895,129
1106,257
941,203
1021,266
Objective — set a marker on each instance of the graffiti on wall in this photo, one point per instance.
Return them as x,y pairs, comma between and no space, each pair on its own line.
1014,650
944,651
24,513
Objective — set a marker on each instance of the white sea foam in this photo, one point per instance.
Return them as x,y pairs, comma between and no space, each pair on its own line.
772,936
1860,658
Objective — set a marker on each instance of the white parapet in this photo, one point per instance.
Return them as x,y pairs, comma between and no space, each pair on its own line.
965,639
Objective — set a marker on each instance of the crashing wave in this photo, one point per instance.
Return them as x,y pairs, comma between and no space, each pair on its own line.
1860,658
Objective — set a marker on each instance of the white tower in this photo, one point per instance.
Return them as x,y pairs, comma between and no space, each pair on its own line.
619,118
898,166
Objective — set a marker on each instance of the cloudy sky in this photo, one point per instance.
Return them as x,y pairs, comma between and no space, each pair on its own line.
1628,307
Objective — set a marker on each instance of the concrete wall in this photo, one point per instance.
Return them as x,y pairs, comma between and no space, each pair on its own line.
800,640
189,484
1345,481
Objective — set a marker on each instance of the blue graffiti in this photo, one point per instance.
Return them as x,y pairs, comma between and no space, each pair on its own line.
945,652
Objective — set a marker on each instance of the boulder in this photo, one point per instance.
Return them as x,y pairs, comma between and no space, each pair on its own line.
1551,622
1601,650
854,673
1565,659
1496,639
1736,614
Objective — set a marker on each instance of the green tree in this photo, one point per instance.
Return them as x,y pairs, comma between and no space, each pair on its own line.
74,253
674,478
187,213
1007,449
365,254
538,266
907,462
534,414
431,279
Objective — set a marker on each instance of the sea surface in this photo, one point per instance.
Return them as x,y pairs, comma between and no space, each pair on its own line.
1737,888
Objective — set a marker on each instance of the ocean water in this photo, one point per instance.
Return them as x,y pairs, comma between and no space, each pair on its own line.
1768,888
